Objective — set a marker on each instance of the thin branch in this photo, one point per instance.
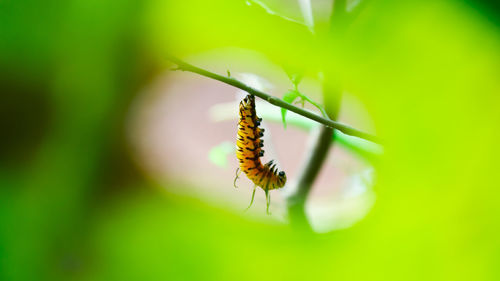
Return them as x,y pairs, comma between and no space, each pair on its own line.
307,174
181,65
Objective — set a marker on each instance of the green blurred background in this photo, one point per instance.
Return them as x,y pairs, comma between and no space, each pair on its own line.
75,205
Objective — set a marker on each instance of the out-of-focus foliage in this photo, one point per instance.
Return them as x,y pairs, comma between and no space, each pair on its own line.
73,206
220,153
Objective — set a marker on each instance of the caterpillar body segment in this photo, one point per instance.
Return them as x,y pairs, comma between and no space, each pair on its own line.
250,148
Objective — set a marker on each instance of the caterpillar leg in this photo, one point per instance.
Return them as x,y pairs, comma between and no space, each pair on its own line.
238,172
268,201
253,196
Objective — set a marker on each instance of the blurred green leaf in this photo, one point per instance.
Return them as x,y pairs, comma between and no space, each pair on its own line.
218,154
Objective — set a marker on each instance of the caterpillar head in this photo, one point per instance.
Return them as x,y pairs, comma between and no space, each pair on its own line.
281,179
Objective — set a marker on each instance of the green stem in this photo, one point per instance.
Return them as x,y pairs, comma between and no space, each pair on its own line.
308,173
181,65
319,107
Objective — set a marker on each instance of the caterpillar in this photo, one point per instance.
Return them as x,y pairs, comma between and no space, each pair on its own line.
249,145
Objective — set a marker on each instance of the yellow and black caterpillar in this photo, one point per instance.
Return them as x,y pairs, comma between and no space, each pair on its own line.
249,150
